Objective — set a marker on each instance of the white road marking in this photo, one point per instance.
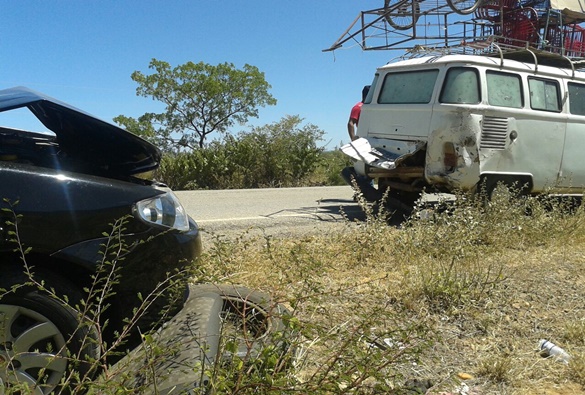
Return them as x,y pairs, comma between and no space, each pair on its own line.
270,216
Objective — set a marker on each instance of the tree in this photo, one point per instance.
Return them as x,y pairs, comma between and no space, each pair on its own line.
199,99
281,153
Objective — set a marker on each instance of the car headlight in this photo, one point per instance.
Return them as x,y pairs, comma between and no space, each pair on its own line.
164,210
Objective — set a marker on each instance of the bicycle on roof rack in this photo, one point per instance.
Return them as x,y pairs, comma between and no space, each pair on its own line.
403,14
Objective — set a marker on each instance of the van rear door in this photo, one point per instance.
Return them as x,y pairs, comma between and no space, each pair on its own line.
402,109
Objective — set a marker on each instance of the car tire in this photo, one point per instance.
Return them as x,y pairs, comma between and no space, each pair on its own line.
42,339
251,317
187,350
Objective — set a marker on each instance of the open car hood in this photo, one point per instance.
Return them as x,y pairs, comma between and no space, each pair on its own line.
83,136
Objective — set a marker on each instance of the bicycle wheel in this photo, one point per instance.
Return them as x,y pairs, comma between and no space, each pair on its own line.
464,7
401,15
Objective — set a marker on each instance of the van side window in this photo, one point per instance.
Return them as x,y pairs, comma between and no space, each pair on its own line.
370,95
577,98
461,86
544,95
408,87
504,90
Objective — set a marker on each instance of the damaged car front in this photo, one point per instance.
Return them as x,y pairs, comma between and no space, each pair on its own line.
86,241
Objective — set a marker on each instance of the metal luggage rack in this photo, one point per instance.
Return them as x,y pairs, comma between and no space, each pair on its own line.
434,24
527,30
502,48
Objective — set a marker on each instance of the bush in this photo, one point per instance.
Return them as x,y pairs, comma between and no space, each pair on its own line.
282,154
328,172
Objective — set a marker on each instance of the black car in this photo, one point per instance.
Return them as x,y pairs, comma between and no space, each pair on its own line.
77,216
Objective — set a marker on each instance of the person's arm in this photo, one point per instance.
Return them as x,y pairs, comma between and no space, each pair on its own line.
354,117
351,126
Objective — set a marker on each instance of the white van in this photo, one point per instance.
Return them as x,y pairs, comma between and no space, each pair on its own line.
454,122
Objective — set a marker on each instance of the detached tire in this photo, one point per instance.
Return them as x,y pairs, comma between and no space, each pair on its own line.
42,339
249,317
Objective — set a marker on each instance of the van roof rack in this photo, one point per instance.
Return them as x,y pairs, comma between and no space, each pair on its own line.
500,47
553,30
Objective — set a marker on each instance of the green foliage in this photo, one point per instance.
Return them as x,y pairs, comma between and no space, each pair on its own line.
199,99
144,128
329,170
281,154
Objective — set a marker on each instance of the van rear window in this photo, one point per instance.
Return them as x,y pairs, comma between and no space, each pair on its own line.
577,98
504,90
414,87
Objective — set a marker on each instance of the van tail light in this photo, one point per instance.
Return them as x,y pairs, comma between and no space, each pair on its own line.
449,155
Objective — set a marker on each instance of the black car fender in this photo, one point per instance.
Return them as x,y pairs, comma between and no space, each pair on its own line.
52,210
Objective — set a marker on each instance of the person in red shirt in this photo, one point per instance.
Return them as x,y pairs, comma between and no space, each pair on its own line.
365,184
354,117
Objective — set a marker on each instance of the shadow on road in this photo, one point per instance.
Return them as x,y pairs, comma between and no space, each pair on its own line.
354,212
337,210
343,208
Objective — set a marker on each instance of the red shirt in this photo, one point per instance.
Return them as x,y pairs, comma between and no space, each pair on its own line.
355,112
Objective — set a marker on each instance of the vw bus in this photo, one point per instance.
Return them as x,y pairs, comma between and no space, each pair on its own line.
456,122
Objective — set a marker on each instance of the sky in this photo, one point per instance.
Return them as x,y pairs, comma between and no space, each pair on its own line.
83,52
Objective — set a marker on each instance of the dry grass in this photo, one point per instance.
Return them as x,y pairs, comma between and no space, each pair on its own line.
462,298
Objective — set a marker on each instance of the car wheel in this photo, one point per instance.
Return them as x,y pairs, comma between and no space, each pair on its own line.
42,338
249,317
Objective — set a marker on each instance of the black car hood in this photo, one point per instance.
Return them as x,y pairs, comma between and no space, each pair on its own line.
84,136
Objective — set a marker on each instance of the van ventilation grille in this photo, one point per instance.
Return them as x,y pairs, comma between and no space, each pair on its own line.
494,131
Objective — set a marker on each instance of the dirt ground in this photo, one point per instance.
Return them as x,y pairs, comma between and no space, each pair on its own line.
487,346
494,344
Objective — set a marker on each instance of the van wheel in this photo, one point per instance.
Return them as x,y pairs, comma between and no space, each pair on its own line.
42,339
400,200
500,190
505,188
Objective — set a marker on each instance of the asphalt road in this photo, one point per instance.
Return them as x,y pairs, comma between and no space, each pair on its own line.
274,211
